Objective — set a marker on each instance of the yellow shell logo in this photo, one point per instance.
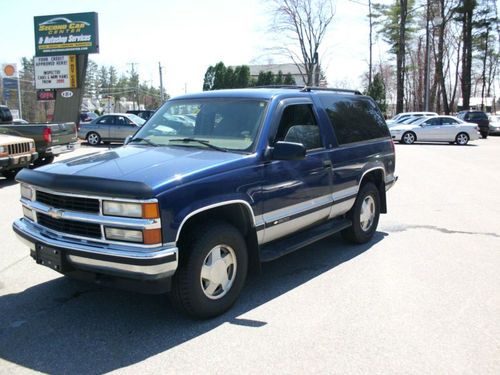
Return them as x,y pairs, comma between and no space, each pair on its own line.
9,70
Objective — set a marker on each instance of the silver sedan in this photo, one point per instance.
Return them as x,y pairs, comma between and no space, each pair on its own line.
113,127
436,129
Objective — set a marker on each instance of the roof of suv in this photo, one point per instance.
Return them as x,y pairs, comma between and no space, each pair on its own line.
266,92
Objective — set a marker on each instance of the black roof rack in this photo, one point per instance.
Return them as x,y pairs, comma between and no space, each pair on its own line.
308,88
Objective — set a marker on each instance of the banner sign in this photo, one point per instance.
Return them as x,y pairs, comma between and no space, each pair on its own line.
46,95
75,33
55,72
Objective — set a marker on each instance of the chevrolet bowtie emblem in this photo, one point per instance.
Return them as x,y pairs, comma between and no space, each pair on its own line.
55,213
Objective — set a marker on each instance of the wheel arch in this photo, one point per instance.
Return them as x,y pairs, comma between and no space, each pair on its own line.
376,175
236,212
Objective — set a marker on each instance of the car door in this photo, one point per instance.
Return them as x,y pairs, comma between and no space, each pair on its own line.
103,125
123,128
429,130
449,129
297,193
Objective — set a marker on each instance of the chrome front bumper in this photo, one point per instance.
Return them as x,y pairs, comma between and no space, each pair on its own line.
111,259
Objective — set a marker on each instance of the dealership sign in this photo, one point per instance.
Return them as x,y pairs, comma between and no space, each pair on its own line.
75,33
55,72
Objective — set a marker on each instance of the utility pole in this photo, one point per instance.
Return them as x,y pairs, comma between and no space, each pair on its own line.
161,82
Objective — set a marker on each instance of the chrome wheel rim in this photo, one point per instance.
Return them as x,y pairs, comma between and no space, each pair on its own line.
409,138
462,139
367,215
93,139
218,271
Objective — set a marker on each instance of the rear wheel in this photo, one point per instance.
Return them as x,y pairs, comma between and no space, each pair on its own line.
462,139
364,215
484,135
212,271
93,139
409,138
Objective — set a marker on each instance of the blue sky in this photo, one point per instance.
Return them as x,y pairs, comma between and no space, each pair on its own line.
187,36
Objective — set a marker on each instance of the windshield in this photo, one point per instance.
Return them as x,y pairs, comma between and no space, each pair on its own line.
228,124
138,120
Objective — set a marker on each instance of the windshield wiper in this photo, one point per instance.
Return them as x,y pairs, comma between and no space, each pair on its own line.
149,142
202,141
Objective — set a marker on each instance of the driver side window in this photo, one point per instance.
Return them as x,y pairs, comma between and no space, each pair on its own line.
298,124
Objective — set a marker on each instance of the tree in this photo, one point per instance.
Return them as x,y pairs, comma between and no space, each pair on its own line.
395,24
303,24
265,78
377,91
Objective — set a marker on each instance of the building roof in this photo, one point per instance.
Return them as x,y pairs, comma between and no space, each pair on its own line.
274,68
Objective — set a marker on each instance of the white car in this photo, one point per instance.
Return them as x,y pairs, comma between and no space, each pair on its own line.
494,124
436,129
405,115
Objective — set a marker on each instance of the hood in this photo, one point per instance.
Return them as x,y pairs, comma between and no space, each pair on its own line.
122,170
8,139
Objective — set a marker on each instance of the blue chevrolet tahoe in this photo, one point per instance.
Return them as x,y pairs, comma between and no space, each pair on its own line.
214,184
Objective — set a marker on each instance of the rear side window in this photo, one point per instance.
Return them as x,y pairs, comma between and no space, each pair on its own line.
354,119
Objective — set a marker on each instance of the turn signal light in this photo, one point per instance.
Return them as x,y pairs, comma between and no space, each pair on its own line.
151,236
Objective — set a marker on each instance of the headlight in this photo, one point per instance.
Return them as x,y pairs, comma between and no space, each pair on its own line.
123,234
26,192
3,151
32,147
141,210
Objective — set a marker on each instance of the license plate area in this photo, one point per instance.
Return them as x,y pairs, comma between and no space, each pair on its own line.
50,257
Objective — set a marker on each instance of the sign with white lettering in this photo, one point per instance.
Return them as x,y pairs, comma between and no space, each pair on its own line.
55,72
75,33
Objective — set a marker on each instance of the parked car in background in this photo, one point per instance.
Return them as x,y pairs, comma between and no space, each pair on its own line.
144,113
113,127
494,124
51,139
477,117
15,154
436,129
400,117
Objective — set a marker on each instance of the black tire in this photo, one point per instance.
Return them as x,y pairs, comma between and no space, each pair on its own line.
10,174
356,233
462,139
484,135
409,138
93,139
190,291
44,160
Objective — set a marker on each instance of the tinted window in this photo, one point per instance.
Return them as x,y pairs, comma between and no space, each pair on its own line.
298,124
109,120
449,121
354,119
433,121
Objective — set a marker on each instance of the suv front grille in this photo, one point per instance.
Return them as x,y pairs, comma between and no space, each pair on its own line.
19,148
77,228
68,202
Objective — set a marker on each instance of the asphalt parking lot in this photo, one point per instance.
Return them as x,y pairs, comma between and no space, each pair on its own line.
422,298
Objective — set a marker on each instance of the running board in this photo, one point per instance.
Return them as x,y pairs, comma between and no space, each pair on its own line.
278,248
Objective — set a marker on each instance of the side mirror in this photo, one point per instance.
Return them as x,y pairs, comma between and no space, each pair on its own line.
127,140
288,151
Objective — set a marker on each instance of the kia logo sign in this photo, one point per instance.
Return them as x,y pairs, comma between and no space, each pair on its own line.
67,94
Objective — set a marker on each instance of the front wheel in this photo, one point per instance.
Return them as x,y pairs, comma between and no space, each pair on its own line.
409,138
93,139
364,215
462,139
212,271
